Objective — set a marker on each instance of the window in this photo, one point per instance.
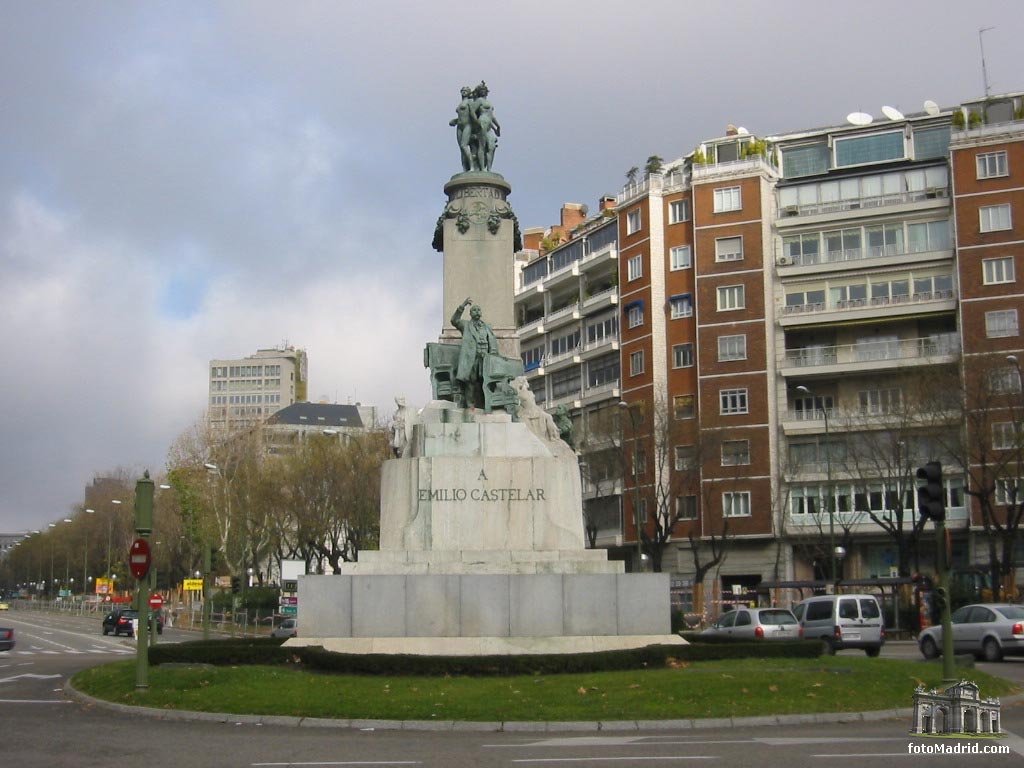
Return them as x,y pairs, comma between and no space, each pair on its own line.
682,306
603,370
635,267
686,507
636,363
992,164
732,348
728,199
998,270
678,210
994,217
728,249
1005,380
643,511
682,355
532,357
736,504
563,345
1008,491
880,401
683,406
633,221
1004,435
731,297
732,401
877,148
686,458
680,258
735,452
635,315
602,329
566,383
1001,323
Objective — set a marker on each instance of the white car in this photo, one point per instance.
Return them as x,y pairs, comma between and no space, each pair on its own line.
989,631
287,628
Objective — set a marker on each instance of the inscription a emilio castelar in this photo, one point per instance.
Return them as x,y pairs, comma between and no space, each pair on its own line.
481,494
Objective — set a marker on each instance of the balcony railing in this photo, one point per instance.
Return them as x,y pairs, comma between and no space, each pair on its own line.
856,254
873,351
756,163
858,203
601,296
879,301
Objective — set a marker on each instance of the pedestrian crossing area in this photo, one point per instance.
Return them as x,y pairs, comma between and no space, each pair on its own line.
32,651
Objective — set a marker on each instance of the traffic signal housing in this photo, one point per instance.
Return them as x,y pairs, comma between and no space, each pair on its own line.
931,496
236,584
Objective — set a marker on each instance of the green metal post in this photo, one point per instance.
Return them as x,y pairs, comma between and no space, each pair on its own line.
942,572
144,489
207,592
152,590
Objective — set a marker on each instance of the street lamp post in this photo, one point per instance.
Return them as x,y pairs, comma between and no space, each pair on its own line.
829,499
636,488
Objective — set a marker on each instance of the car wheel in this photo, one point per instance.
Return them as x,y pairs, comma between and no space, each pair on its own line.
929,649
830,646
106,631
991,651
872,652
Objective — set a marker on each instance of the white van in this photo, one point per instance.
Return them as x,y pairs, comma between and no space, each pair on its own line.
843,621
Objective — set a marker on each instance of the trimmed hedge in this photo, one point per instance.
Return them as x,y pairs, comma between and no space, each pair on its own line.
269,651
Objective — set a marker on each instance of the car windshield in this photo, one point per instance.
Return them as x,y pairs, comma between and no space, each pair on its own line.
779,617
1012,612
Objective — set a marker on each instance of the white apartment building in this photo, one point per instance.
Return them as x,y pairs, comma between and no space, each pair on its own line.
244,392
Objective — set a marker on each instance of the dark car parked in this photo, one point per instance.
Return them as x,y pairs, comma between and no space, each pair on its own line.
119,622
6,639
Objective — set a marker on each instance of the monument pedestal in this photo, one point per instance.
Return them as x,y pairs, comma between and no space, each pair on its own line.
482,552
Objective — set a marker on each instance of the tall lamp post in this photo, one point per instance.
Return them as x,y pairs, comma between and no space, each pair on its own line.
829,499
636,487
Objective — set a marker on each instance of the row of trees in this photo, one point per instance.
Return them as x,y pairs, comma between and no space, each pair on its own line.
316,500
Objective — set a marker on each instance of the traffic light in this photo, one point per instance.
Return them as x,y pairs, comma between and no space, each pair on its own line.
236,584
931,496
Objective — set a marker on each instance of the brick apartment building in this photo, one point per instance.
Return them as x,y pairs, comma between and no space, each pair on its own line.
782,312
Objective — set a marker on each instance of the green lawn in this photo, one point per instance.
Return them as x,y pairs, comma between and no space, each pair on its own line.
733,688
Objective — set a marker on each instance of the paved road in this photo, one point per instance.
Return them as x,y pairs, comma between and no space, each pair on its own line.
39,727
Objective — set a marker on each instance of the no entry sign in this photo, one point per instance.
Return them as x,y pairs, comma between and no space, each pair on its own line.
156,602
139,558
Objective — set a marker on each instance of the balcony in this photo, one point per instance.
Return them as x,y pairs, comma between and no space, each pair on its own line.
530,328
860,522
601,392
562,360
569,400
848,258
853,309
745,167
858,206
570,271
606,298
603,255
596,348
874,356
563,316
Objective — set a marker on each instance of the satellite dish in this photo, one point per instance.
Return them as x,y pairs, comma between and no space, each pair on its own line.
892,113
742,131
931,108
859,118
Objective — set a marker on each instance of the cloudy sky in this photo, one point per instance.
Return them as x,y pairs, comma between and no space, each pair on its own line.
181,181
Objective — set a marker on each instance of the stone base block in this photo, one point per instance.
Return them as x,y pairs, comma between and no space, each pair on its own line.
482,561
484,646
476,605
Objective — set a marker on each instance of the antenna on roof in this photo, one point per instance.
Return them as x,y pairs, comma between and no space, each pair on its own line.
859,118
892,113
931,107
984,71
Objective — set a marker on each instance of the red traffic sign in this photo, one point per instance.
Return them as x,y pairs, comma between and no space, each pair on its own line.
139,558
156,602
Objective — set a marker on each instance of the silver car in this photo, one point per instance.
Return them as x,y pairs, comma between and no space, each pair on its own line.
989,631
288,628
757,624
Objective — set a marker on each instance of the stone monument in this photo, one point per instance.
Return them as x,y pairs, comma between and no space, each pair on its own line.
482,549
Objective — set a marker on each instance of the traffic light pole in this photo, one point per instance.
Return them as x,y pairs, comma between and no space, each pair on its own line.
942,591
143,528
207,592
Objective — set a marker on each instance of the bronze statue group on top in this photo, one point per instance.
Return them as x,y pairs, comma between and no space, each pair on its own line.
476,129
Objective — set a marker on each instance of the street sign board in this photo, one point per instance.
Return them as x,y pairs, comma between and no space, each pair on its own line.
139,558
192,585
156,602
290,610
286,600
290,585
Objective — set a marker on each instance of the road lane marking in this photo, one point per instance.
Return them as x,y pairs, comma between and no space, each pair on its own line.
611,759
34,701
356,762
29,675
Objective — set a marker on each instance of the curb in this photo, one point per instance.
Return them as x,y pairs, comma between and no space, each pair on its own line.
511,726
